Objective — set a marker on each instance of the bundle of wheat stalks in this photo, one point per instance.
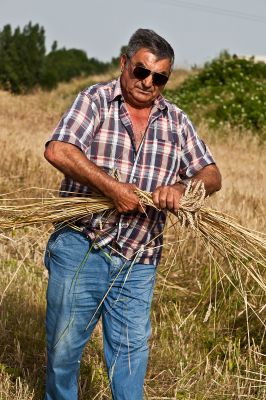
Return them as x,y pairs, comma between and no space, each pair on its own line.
219,230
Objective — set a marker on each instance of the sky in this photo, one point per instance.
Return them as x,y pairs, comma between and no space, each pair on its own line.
197,29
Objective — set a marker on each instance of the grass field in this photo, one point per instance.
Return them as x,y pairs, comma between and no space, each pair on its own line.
208,314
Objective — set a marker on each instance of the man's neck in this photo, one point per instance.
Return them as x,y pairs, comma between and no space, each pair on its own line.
141,112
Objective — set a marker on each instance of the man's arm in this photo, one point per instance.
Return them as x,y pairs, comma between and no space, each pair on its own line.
169,196
68,159
211,177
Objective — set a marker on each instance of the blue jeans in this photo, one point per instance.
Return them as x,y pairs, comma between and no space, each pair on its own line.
79,278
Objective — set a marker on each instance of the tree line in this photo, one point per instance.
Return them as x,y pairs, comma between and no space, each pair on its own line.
25,65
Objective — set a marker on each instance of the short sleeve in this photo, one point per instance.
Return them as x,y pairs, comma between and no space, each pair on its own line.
78,124
194,153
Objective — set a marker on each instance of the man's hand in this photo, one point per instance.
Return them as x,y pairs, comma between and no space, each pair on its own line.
168,197
125,198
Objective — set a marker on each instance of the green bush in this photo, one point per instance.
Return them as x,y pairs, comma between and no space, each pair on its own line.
63,65
228,90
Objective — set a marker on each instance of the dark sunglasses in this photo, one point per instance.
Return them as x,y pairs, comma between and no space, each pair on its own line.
143,73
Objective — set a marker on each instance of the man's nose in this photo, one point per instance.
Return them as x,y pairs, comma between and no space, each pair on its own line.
147,82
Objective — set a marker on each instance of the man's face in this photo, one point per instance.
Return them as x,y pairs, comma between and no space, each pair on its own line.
141,93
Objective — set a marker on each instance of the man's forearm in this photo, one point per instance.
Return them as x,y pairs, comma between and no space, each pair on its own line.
73,163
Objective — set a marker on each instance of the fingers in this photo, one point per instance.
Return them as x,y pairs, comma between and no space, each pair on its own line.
164,197
125,198
167,197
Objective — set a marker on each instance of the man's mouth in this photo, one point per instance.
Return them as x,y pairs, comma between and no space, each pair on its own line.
144,91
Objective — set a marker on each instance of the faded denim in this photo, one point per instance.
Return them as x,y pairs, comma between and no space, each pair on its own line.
79,278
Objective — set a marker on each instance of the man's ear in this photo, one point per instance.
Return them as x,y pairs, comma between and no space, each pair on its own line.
123,61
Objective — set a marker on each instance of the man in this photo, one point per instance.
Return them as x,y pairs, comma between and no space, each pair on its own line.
117,137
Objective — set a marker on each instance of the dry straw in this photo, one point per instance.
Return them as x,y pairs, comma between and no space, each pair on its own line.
220,230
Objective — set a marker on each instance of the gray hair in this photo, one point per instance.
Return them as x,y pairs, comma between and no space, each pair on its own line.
148,39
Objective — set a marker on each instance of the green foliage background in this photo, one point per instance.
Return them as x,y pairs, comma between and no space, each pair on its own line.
24,63
228,90
22,54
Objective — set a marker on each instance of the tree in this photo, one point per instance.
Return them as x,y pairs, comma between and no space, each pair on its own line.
63,65
22,56
66,64
24,64
115,62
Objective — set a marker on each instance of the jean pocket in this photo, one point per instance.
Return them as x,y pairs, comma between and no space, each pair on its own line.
55,239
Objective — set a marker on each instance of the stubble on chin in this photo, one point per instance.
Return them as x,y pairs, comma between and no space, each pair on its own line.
141,101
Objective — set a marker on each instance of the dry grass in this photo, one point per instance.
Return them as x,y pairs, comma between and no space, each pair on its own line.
208,314
177,77
219,230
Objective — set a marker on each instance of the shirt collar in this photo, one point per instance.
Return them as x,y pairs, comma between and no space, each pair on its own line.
159,102
116,90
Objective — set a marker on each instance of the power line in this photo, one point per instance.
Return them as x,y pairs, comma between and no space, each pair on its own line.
219,11
215,10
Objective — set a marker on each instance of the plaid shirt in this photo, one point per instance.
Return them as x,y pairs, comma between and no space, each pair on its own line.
99,124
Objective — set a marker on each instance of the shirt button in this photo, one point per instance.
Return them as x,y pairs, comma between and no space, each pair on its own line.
125,224
134,180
